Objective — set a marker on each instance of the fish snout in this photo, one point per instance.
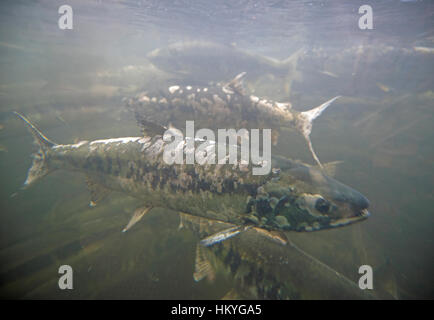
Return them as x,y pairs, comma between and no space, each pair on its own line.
361,207
365,213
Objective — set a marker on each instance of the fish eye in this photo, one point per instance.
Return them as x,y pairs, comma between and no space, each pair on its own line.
322,205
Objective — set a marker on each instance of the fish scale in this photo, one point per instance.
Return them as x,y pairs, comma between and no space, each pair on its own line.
292,197
220,106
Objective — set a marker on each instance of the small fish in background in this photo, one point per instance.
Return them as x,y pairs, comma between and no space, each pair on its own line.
2,127
190,59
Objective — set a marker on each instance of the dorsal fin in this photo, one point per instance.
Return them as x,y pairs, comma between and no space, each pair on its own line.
236,84
330,167
148,127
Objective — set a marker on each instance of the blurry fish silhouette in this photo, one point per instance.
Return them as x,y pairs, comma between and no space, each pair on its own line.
220,61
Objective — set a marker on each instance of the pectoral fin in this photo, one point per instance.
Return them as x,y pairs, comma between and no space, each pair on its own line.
97,192
202,266
138,214
223,235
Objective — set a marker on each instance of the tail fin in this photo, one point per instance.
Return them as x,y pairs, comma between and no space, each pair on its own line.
292,60
39,167
307,118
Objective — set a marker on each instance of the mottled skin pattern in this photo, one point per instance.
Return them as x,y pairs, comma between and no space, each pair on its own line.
220,106
294,197
136,167
214,107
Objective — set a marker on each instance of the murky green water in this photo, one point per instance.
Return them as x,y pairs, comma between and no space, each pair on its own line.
70,83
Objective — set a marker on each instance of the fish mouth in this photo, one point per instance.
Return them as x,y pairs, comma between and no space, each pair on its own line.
364,213
361,215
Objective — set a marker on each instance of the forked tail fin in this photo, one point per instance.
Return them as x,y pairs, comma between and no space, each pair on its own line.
307,118
39,166
292,60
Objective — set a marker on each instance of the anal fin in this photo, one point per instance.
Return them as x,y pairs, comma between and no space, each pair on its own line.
137,216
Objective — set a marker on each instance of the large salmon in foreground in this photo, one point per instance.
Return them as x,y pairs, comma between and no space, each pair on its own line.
292,197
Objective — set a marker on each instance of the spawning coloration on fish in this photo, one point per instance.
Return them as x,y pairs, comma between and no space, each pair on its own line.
220,106
292,197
